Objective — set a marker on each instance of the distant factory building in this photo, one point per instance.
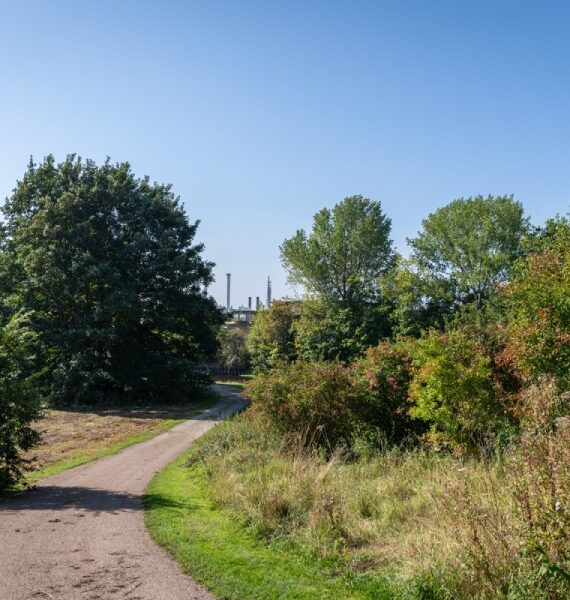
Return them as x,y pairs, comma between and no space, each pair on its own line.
246,314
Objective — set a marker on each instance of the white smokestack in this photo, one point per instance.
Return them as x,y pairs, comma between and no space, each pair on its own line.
229,276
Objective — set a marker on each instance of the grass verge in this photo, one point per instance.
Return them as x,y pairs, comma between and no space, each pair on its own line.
221,555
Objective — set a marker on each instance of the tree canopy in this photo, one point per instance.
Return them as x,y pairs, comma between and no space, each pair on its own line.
340,260
107,268
471,244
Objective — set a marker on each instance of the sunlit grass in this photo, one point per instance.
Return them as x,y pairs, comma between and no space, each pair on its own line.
253,514
75,437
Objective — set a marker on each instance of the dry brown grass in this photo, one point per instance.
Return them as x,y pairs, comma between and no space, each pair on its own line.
513,524
68,435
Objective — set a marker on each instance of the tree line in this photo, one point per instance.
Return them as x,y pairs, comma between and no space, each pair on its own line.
435,346
102,299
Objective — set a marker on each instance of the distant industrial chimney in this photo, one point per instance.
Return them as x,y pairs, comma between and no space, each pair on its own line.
249,302
229,276
268,292
257,302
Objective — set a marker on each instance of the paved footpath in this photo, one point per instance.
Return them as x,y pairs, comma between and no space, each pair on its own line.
81,535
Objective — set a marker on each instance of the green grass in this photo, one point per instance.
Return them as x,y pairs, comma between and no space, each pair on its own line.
238,385
82,459
219,553
251,516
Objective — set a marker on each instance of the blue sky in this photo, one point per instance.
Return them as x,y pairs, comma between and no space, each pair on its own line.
261,113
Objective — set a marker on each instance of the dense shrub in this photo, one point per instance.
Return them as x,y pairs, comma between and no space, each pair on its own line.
323,403
538,305
325,332
233,353
334,404
453,390
386,370
19,401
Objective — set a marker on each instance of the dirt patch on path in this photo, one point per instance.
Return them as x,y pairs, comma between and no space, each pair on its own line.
81,535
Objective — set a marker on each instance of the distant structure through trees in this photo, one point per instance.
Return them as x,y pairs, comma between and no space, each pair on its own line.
245,314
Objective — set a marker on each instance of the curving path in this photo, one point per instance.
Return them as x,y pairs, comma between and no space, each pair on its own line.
81,535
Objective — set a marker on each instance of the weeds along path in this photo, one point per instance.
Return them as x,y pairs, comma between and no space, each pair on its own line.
81,534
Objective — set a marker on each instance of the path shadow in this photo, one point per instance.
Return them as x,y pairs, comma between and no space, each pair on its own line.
182,409
158,411
199,408
93,500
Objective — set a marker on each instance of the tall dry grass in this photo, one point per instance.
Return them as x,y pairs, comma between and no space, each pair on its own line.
513,524
489,528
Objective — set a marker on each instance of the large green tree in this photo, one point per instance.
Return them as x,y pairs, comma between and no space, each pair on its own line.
107,267
339,264
471,245
343,256
19,398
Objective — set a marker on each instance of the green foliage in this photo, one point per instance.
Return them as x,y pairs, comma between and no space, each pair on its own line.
327,332
329,404
19,401
387,370
538,308
348,248
543,238
513,526
323,404
470,245
339,264
452,389
417,301
272,337
107,264
314,331
233,352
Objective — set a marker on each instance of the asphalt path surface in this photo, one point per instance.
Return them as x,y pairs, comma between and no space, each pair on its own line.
80,534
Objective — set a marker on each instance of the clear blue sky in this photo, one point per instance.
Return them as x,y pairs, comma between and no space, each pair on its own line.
261,113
